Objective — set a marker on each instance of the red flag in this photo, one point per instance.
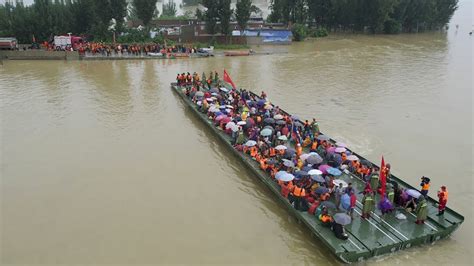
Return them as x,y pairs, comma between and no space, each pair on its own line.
383,177
228,79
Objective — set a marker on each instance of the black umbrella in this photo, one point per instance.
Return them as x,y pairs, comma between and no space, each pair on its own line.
321,190
269,120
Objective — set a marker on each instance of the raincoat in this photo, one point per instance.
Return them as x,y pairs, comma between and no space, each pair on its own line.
422,210
374,181
368,204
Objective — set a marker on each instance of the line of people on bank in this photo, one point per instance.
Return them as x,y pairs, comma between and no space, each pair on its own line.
303,162
103,49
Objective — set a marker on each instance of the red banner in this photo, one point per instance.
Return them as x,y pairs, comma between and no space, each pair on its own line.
228,79
383,178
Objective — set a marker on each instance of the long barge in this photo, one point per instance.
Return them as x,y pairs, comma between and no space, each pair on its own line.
367,238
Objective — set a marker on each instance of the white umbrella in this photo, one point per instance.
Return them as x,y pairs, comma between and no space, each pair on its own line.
315,172
284,138
352,158
337,182
287,177
278,117
280,147
230,125
224,90
199,94
250,143
340,149
279,174
241,123
341,144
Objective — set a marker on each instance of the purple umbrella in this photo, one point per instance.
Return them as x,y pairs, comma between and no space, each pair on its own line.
324,168
220,117
331,149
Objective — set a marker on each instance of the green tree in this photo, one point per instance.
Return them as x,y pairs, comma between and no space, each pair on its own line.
169,9
211,15
242,13
145,9
225,12
118,12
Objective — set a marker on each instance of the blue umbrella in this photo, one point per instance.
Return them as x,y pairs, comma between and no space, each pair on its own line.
280,174
334,171
346,201
288,163
266,132
342,218
321,190
300,174
318,178
314,159
307,168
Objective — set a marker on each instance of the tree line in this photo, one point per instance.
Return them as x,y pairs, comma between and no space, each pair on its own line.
376,16
95,19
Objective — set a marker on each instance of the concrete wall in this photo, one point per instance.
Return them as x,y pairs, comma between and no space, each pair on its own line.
39,55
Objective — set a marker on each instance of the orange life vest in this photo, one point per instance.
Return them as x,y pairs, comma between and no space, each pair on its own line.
299,150
325,218
299,192
426,186
272,152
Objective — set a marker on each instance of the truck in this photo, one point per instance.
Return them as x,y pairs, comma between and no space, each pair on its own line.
64,42
8,43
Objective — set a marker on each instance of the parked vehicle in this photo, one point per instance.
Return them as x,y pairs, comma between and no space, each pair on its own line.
8,43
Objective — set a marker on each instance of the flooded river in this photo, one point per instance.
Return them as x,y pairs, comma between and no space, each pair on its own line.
102,163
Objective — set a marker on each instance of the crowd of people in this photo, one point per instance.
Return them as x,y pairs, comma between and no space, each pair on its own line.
103,49
302,161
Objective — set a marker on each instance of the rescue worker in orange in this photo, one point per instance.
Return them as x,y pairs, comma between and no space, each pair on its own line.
298,196
425,185
443,200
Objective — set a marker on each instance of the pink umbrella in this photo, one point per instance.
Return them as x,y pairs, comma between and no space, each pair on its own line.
225,120
331,149
323,168
220,117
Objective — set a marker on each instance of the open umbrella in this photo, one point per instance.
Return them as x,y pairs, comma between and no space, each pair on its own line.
328,204
250,143
230,125
241,123
220,117
341,144
331,149
271,161
334,171
287,177
324,168
366,163
283,137
294,117
280,122
266,132
278,117
288,163
318,178
322,137
298,124
300,174
352,158
224,89
314,159
315,172
269,121
281,147
214,90
261,102
340,149
279,174
268,107
307,168
199,94
342,218
414,193
338,182
346,201
321,190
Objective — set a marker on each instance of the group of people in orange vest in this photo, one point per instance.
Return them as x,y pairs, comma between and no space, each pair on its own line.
240,106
